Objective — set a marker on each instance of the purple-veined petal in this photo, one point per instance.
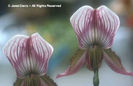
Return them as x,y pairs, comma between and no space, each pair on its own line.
13,50
107,23
41,50
114,62
95,26
73,68
82,22
28,54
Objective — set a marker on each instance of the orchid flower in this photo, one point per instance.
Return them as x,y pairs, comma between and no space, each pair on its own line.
95,30
29,57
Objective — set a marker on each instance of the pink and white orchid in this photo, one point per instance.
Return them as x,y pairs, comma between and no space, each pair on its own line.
29,56
95,30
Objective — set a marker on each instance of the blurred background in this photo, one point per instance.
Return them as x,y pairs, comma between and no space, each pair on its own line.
54,26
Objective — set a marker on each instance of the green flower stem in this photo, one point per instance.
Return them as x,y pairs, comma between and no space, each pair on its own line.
96,78
95,55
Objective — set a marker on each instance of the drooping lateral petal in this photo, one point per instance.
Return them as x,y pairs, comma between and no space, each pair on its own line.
114,62
82,22
28,54
76,64
47,81
107,23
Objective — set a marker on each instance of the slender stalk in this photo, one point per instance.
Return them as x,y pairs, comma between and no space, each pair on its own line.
95,55
96,78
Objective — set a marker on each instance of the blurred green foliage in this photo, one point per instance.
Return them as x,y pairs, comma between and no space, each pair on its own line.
59,33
